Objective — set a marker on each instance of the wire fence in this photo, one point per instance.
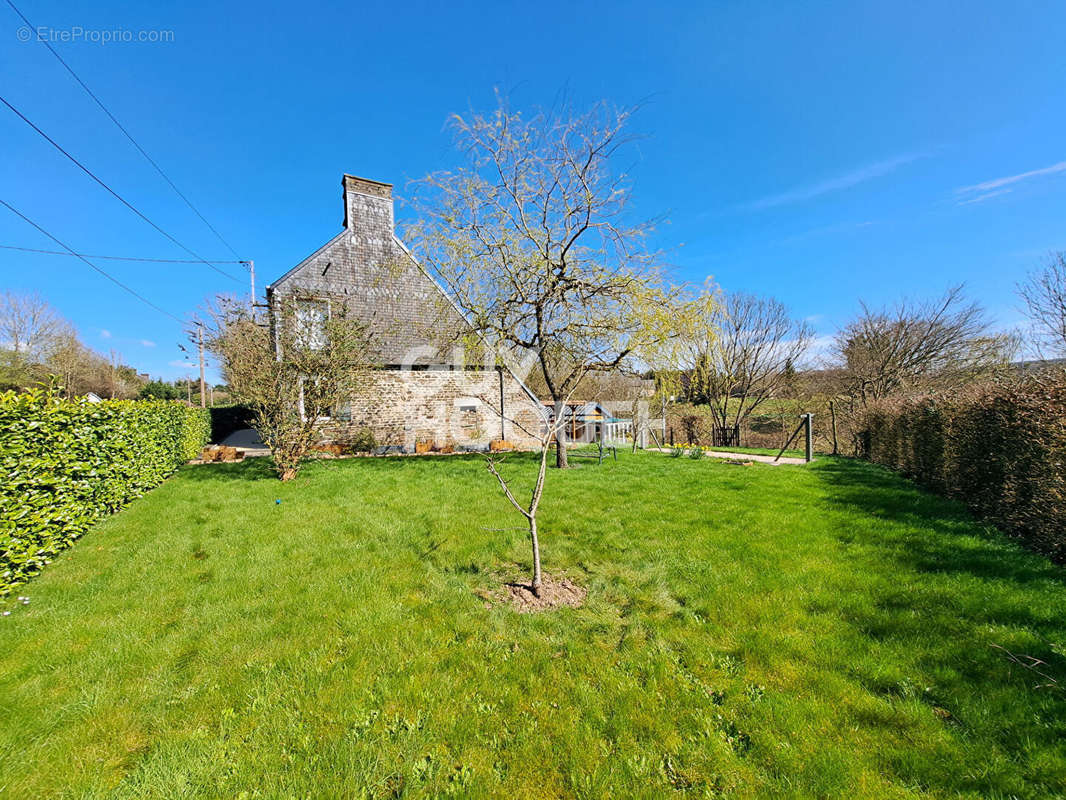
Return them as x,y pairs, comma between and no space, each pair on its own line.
769,426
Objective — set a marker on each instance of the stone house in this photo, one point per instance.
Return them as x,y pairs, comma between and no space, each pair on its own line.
422,392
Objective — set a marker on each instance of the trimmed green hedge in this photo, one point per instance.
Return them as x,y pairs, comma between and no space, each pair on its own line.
999,448
66,463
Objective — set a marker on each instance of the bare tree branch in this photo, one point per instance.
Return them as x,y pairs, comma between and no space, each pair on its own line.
1044,294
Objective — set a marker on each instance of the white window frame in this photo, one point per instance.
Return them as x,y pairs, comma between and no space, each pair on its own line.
303,413
308,299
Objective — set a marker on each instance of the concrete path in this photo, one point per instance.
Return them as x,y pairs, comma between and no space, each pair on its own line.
746,457
248,441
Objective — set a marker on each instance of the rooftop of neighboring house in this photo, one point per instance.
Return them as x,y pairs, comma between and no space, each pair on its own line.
602,387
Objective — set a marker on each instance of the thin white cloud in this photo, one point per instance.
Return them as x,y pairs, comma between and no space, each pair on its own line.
839,227
839,183
982,197
105,334
147,343
180,364
989,186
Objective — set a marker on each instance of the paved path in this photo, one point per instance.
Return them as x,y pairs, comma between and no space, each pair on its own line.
248,441
746,457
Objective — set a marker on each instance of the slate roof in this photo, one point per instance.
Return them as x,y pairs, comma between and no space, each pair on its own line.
408,314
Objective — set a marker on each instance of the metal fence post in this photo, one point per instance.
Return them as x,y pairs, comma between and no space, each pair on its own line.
809,450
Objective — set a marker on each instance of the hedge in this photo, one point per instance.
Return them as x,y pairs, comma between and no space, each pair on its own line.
66,463
1000,448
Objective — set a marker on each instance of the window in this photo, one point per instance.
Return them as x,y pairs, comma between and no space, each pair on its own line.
323,413
467,409
310,323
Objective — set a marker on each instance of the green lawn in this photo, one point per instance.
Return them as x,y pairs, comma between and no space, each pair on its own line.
751,631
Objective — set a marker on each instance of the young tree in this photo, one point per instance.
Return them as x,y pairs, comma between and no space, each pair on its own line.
293,376
918,345
1044,294
745,353
532,241
661,319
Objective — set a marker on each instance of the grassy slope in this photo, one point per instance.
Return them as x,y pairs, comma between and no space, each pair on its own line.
764,631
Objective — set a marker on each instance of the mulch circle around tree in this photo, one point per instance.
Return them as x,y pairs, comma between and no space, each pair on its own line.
554,593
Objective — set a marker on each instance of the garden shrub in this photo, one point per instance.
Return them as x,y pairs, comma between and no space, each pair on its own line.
693,427
66,463
999,447
363,441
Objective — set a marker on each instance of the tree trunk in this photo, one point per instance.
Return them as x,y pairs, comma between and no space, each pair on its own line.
535,585
288,474
560,450
833,414
560,436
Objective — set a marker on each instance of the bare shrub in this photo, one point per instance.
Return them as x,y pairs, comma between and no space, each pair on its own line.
292,376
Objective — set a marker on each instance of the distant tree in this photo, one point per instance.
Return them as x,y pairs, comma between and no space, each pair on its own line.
160,390
18,374
74,365
1044,294
36,342
745,352
29,327
918,346
30,330
81,370
293,377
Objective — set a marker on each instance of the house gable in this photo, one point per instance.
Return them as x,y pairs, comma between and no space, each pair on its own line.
410,319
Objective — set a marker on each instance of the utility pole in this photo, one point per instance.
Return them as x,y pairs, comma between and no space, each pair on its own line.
251,272
200,344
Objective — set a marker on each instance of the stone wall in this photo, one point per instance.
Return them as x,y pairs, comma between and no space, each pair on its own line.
460,408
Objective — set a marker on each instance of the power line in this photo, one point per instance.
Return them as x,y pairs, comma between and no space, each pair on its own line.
199,259
111,278
115,258
125,132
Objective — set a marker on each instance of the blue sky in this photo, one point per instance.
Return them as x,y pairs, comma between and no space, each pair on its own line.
821,153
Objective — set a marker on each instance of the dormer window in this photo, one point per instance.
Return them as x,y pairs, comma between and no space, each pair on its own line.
310,323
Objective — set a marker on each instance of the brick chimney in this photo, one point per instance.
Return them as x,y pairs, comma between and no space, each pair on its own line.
367,207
